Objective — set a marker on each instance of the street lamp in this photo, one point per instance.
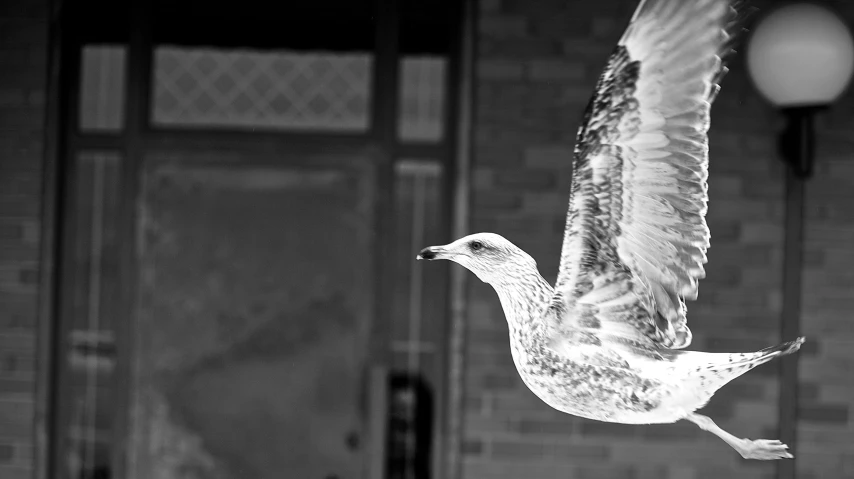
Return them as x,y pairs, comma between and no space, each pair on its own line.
801,58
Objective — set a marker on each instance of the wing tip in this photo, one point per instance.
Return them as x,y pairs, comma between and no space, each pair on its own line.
736,21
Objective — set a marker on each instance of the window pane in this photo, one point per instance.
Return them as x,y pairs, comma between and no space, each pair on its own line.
254,313
422,96
90,317
254,89
416,331
102,87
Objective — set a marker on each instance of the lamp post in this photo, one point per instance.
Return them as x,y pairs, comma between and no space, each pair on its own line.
800,58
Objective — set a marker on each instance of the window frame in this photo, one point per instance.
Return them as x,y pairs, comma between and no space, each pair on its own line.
138,136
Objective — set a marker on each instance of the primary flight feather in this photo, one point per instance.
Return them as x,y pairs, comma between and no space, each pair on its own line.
606,343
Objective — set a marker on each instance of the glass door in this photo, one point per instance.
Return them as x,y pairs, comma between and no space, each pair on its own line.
240,206
254,314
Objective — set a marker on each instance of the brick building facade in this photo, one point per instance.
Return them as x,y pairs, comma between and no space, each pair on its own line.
536,64
23,87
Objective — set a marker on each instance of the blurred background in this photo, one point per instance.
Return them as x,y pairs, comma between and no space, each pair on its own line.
209,213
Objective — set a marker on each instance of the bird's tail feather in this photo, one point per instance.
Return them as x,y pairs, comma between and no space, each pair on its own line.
784,348
712,371
749,361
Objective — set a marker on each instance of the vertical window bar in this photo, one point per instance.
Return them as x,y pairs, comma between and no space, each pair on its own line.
415,283
386,72
89,340
418,189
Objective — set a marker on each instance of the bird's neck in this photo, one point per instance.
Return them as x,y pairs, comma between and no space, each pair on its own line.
524,300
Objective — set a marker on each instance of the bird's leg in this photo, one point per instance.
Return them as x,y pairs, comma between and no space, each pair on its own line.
763,449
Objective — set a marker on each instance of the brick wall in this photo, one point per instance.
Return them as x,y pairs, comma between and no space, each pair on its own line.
826,416
23,62
537,63
825,422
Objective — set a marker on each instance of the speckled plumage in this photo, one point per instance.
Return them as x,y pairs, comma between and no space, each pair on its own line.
606,343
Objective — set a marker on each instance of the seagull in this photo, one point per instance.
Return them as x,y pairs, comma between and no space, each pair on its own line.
607,341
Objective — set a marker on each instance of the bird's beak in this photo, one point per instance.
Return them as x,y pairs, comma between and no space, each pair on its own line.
431,253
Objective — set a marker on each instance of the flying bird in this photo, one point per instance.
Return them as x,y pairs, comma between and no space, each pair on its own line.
607,341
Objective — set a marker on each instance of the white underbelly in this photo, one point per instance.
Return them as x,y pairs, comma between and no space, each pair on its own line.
672,403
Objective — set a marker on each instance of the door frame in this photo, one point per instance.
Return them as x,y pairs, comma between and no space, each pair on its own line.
63,141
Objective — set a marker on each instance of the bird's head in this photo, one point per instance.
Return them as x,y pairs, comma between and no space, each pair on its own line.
490,256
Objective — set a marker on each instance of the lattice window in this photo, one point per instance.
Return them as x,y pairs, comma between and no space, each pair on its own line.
244,88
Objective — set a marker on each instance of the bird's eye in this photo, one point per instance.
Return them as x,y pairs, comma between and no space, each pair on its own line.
476,245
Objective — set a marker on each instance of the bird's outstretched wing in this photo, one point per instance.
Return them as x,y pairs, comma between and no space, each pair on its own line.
636,236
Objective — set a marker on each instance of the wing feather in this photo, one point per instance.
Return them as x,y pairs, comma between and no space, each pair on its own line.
636,235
